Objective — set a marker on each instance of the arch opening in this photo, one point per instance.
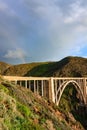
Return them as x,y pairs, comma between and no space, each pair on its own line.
70,102
75,85
67,104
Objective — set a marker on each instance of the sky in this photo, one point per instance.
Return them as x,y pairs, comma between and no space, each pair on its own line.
42,30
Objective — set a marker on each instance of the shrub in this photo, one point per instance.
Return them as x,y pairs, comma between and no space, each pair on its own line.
25,111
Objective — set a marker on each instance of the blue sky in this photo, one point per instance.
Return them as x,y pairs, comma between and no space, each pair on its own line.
42,30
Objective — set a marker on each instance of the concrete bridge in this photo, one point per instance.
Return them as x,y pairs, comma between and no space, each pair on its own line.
52,87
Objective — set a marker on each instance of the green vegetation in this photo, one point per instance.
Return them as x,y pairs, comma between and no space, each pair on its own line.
2,87
23,69
22,110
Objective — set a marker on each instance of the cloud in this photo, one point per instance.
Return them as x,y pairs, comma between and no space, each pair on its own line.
61,25
16,54
5,9
44,29
77,13
13,31
3,6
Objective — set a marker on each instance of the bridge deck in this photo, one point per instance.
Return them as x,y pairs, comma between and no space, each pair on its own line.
40,78
52,87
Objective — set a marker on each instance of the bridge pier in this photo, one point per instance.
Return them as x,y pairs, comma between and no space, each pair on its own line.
15,82
20,83
51,85
45,88
42,87
26,84
37,84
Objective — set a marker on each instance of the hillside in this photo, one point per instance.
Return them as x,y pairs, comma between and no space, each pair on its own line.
3,67
23,69
20,109
69,66
72,67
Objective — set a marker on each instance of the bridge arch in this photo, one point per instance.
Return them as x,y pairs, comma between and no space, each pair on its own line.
64,85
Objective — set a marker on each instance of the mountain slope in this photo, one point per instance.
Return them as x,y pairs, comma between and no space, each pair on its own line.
73,67
22,69
69,66
3,67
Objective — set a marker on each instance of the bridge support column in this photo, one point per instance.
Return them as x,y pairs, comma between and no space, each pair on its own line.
52,89
45,88
37,91
55,90
42,87
15,82
29,85
85,89
34,86
20,83
26,84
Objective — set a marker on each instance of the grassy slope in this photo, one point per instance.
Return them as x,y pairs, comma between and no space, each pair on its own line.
20,109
